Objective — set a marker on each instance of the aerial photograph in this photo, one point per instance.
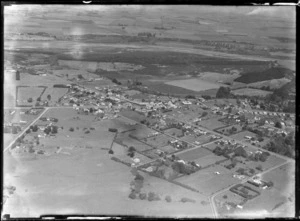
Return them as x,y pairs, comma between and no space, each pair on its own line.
153,111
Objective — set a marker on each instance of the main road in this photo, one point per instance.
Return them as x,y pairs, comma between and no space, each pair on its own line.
32,123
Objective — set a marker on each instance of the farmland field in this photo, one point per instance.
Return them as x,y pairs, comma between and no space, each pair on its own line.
250,92
194,84
241,135
174,132
55,93
158,141
207,182
24,93
211,123
128,141
194,154
168,149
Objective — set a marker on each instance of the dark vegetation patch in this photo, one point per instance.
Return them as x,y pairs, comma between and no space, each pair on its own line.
269,74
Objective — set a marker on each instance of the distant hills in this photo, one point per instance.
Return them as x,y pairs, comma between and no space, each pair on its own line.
269,74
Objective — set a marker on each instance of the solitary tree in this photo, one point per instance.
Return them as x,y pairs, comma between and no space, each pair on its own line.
49,97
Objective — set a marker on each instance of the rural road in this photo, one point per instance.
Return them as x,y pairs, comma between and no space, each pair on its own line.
23,132
33,122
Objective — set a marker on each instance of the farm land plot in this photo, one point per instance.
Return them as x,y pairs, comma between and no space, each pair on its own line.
118,124
270,162
226,130
207,182
173,132
203,139
241,135
194,84
211,146
251,92
194,154
55,93
24,93
210,159
211,124
158,141
128,141
142,132
189,138
168,149
121,153
133,115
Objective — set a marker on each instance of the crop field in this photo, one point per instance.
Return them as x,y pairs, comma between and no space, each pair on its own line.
211,123
194,154
250,92
194,84
174,132
207,182
24,93
158,141
55,93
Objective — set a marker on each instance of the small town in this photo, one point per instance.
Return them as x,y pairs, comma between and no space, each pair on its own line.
112,136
